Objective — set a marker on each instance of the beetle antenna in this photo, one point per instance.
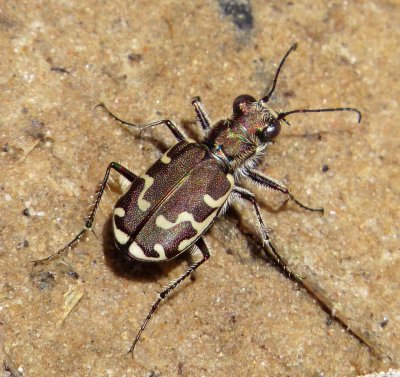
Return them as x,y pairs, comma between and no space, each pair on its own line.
266,98
284,115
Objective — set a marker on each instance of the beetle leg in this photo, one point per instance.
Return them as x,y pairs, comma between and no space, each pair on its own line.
273,184
201,113
270,248
200,243
89,220
169,123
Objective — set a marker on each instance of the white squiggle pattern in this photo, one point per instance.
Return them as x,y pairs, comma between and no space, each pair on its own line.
143,204
137,252
219,202
120,236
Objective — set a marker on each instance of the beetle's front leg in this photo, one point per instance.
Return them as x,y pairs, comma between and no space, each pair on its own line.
200,243
272,252
169,123
257,177
201,113
89,220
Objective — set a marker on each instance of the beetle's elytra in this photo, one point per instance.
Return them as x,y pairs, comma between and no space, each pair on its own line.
152,221
168,208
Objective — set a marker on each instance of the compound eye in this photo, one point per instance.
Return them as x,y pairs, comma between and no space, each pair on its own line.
271,131
242,103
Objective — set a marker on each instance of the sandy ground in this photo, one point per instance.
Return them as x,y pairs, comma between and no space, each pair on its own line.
241,316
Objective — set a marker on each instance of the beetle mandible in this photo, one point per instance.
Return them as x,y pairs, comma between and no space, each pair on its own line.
151,220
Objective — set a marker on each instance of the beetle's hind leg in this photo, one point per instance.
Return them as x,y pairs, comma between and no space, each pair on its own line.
270,248
200,243
89,220
169,123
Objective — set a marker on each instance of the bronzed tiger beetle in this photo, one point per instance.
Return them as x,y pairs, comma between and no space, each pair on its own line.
167,209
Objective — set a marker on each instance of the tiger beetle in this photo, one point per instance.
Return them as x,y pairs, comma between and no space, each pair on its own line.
167,209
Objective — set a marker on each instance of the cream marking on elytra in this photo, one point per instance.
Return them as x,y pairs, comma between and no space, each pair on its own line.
199,227
163,223
208,221
160,250
219,202
120,212
165,159
137,252
120,236
143,204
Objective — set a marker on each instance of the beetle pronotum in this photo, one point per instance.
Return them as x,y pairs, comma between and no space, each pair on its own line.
152,223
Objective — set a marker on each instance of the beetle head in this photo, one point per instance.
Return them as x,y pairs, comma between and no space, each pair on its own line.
259,120
253,125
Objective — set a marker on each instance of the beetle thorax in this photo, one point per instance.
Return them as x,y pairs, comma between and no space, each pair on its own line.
238,140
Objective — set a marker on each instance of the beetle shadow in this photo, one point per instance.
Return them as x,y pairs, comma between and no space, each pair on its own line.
131,269
192,129
161,145
254,241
